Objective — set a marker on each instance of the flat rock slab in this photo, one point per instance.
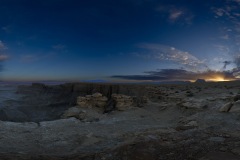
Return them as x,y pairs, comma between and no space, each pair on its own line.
220,156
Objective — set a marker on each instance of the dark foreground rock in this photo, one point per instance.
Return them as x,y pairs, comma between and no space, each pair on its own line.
139,122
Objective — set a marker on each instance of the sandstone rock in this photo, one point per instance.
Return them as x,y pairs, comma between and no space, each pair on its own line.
100,101
235,107
226,107
83,101
97,95
123,102
95,100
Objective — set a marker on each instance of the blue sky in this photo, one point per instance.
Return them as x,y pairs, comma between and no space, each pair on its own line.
119,40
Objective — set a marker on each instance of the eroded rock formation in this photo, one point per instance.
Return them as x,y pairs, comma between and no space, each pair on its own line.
95,100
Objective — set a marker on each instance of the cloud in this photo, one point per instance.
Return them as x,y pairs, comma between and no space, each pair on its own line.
3,57
6,29
167,53
226,63
229,15
176,14
2,46
222,48
225,37
179,75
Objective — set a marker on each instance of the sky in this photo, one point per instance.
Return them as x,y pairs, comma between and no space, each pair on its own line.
120,40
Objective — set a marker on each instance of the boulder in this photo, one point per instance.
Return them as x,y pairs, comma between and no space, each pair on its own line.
236,98
72,112
189,125
226,107
235,107
123,102
193,105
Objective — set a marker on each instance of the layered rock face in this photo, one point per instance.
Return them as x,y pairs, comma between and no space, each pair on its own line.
92,107
95,100
123,102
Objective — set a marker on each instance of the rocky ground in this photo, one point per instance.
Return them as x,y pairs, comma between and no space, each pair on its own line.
198,121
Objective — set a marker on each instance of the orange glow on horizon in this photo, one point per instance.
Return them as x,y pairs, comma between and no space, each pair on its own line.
218,79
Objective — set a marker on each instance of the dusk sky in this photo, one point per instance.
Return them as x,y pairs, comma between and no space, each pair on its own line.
119,40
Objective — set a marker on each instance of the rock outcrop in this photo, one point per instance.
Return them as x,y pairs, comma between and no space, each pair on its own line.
232,106
235,107
123,102
189,125
119,101
85,115
226,107
193,104
95,100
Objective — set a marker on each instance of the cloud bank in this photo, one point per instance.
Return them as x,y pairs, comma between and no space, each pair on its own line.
167,53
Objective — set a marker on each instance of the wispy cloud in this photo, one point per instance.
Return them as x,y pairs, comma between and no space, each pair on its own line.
2,46
176,14
3,55
167,53
6,29
225,37
229,15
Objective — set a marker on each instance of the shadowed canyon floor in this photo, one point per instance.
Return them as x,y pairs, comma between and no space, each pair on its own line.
198,121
